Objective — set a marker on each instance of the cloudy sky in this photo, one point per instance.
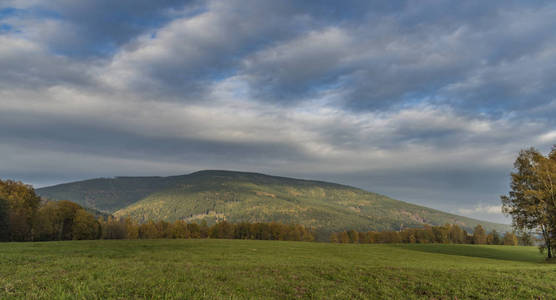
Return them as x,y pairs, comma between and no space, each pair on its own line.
425,101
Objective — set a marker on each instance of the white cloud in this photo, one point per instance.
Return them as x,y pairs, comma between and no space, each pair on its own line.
481,209
549,137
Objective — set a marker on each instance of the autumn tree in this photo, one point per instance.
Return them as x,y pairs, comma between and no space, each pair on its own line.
114,228
64,219
353,236
222,230
425,235
194,230
457,235
343,237
479,235
510,239
493,238
163,229
363,238
18,207
441,234
531,201
204,229
242,231
46,225
4,221
85,226
180,230
131,228
148,230
372,237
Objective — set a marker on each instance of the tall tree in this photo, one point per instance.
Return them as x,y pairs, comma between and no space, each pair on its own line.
457,235
510,239
493,238
479,235
19,208
85,226
4,221
343,237
532,199
65,216
353,236
47,225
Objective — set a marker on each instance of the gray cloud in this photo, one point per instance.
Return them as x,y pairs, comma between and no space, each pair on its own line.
25,65
426,102
85,28
417,54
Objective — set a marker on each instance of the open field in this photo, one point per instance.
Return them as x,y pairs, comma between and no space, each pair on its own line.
178,269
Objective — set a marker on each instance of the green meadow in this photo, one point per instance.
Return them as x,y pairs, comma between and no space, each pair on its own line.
246,269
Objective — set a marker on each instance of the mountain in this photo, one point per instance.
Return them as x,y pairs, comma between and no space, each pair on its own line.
252,197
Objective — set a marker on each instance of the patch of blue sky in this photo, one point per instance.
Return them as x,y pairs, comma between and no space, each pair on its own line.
415,100
5,27
219,75
101,50
328,84
9,12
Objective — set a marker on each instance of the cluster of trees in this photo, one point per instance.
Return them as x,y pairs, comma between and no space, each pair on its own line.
125,228
447,234
24,216
532,200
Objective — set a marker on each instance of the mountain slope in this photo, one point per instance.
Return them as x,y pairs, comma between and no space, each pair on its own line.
240,196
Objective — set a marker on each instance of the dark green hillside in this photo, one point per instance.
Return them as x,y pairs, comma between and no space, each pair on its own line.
238,196
106,194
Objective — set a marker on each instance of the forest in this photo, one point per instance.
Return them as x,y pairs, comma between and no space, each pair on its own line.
24,216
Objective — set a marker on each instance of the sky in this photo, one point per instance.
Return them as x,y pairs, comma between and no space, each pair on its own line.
425,101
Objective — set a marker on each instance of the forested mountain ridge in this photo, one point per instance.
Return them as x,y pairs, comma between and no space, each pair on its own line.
252,197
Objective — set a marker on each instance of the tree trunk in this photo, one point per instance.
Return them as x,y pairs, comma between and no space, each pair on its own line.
546,237
549,246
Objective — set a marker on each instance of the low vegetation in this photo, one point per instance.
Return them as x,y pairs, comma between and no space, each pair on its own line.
243,269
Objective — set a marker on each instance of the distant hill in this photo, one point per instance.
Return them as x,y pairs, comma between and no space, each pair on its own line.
252,197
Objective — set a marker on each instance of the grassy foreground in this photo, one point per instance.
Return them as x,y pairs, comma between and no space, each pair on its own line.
238,269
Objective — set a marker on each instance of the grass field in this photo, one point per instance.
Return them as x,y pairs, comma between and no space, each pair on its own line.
238,269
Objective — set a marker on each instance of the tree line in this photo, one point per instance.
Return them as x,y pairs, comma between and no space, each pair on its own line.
531,201
24,216
446,234
125,228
